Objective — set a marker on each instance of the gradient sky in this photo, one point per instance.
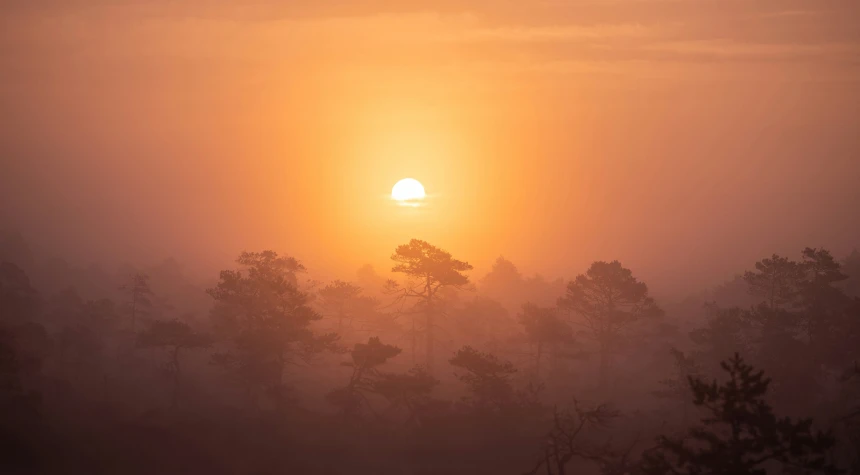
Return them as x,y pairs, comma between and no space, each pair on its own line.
687,138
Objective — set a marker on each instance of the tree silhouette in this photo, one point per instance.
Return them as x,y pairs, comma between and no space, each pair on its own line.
337,298
608,299
428,270
19,301
140,296
566,438
346,303
266,319
726,331
483,321
20,408
545,331
851,267
408,391
366,360
820,300
172,335
740,435
505,283
776,279
488,378
676,387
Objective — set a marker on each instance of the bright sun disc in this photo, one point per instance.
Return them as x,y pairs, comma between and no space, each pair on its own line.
407,190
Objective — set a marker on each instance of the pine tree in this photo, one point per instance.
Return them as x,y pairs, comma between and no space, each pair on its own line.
740,435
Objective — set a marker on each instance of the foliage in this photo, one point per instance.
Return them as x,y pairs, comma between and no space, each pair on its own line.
607,300
428,270
173,335
483,320
433,267
266,321
566,438
140,296
675,388
488,378
740,434
545,331
344,301
366,359
408,391
19,301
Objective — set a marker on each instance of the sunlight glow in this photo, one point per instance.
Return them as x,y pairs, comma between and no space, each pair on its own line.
408,192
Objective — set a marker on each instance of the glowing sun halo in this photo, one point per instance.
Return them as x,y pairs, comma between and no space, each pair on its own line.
408,191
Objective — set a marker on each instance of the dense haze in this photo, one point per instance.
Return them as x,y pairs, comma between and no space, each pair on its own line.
686,138
203,270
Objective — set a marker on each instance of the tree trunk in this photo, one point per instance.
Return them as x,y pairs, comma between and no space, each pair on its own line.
604,368
133,311
429,343
429,325
175,377
414,339
537,362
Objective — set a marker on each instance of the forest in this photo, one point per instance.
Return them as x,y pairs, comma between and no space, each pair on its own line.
263,369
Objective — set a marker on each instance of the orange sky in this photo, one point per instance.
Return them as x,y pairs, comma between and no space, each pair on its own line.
687,138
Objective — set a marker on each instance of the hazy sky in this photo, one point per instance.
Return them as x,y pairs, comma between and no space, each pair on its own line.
687,138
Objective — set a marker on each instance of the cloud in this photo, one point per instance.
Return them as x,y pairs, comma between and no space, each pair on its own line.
560,33
734,50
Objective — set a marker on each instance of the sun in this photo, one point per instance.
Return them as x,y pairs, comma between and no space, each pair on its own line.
408,191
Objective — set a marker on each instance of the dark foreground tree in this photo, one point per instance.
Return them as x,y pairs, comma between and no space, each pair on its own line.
568,439
740,435
173,336
428,270
19,409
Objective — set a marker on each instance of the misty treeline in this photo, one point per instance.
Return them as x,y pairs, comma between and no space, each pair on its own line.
266,370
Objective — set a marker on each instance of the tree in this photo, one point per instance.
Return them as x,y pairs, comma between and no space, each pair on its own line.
483,320
675,388
366,360
140,296
266,321
565,440
410,391
776,279
173,336
851,266
506,284
20,407
19,301
545,331
488,378
740,435
345,302
820,299
83,342
337,298
849,419
428,270
608,300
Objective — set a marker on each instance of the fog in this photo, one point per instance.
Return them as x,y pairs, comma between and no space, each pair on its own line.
695,161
